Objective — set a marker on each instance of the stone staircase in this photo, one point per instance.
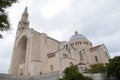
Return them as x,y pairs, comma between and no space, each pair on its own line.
48,76
12,77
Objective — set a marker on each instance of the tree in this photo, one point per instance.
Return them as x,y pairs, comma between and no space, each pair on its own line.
97,68
113,67
72,73
4,21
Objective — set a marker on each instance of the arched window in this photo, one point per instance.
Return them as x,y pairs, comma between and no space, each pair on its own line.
81,55
83,50
96,58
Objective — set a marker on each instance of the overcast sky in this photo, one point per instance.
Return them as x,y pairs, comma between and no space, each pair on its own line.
98,20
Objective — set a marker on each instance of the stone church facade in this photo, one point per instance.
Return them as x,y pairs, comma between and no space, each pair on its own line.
35,53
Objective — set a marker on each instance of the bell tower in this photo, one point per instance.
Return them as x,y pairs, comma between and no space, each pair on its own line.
20,50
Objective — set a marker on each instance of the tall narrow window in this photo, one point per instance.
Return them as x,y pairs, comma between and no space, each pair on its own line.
51,67
66,47
96,58
81,68
81,55
83,50
69,50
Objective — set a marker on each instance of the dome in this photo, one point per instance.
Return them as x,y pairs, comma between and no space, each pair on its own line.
77,36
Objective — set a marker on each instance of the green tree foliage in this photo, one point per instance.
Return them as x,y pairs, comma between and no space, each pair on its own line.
97,68
4,21
113,67
72,73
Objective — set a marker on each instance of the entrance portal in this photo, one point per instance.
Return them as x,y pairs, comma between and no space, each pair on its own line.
21,54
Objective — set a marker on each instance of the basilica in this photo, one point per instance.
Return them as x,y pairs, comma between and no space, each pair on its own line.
35,53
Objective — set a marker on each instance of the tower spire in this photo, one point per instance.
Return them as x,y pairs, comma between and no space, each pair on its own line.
24,23
26,9
25,13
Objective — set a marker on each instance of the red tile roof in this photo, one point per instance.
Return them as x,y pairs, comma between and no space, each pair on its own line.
95,47
81,63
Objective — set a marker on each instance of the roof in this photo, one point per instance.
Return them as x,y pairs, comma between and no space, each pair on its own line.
81,63
95,47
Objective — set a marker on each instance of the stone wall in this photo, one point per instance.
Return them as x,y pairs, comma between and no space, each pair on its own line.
97,76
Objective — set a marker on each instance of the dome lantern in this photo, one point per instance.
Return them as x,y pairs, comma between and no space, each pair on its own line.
76,32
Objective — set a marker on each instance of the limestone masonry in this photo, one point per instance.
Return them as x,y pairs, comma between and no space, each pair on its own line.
35,53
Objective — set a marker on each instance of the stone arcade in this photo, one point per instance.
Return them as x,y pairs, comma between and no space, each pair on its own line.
35,53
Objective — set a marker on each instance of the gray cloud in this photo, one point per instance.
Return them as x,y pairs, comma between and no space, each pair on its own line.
97,20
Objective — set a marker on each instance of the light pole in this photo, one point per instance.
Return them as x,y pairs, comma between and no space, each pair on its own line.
105,72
